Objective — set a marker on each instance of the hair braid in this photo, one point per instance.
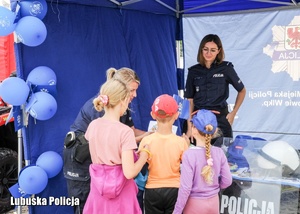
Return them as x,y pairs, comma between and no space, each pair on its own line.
207,171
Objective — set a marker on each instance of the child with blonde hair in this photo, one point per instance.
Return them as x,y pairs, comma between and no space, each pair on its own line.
204,170
76,153
166,150
112,146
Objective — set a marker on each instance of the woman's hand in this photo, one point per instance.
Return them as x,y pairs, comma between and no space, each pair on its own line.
230,117
189,133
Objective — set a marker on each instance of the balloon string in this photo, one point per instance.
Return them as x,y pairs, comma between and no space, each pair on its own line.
58,16
52,8
58,10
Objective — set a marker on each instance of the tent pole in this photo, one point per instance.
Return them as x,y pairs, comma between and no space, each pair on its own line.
20,159
294,2
165,5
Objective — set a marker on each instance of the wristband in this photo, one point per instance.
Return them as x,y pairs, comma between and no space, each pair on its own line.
148,152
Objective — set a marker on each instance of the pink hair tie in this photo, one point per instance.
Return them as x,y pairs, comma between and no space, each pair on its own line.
103,99
210,162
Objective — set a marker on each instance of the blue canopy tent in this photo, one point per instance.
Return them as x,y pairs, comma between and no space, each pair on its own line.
85,38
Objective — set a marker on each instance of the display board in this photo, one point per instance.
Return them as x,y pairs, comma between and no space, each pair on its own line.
264,48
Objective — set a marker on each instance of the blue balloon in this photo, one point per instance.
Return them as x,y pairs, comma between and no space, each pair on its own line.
7,18
41,106
31,31
36,8
42,78
51,162
33,180
14,91
42,75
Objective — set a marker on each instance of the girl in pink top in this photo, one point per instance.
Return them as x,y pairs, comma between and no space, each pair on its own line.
204,170
112,146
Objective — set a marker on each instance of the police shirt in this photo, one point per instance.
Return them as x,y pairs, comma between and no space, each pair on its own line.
209,87
88,113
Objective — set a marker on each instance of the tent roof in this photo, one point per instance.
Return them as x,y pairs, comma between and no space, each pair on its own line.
234,6
188,7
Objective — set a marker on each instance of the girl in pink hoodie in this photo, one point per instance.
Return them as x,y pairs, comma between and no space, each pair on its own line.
112,145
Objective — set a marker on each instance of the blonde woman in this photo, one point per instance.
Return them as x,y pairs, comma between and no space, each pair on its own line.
79,184
204,170
88,113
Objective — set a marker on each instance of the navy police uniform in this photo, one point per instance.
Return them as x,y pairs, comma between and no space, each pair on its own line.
209,88
88,113
77,158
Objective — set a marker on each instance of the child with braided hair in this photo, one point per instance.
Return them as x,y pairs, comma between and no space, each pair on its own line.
204,171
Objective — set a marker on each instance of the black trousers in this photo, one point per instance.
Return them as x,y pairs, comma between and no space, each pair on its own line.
224,125
78,189
140,195
160,200
77,176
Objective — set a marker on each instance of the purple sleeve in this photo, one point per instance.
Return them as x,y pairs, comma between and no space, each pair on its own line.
225,175
186,182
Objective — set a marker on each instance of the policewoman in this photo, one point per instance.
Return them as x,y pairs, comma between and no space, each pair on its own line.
207,85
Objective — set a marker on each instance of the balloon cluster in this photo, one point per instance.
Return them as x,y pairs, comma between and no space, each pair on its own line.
25,21
37,93
33,179
41,103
